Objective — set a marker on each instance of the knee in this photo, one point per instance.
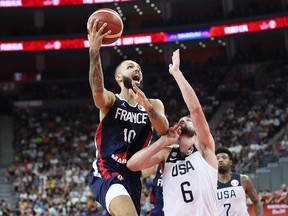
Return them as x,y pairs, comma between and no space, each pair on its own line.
122,206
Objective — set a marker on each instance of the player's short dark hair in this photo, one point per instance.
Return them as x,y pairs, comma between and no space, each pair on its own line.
117,68
226,151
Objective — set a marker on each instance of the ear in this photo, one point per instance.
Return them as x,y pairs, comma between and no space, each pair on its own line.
230,162
118,78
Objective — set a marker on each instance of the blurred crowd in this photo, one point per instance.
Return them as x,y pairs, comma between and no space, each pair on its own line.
53,153
274,197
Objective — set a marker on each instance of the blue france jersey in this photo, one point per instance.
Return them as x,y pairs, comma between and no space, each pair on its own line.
123,131
156,195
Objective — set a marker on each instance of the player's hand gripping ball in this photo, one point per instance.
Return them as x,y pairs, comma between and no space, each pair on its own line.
114,23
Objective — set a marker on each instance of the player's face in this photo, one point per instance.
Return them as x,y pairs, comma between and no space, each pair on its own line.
130,70
187,127
224,163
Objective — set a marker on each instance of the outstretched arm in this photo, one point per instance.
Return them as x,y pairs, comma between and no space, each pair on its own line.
155,153
192,102
103,99
204,137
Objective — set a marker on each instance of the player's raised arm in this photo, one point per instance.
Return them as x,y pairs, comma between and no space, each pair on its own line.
204,137
103,99
191,100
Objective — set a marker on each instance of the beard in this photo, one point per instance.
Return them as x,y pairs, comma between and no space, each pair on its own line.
187,131
128,83
222,170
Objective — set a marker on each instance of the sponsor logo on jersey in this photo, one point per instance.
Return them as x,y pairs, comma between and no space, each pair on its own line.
173,154
120,177
120,158
141,108
234,182
137,118
173,157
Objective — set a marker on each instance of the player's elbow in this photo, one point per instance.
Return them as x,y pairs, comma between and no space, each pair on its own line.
102,100
195,109
97,97
162,131
162,128
131,165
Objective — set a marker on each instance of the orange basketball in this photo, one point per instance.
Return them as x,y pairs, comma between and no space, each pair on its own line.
114,23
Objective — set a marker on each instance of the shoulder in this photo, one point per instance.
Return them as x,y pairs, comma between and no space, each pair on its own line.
208,153
246,181
155,102
111,99
243,177
168,149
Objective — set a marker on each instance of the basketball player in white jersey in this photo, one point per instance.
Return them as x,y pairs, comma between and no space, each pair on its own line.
189,170
232,188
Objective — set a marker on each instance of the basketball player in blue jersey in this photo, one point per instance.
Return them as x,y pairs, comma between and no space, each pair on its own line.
189,170
232,188
156,195
126,123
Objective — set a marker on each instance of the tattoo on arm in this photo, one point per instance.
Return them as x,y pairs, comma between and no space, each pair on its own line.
95,73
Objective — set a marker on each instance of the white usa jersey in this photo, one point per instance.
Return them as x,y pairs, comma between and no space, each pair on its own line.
189,185
231,197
